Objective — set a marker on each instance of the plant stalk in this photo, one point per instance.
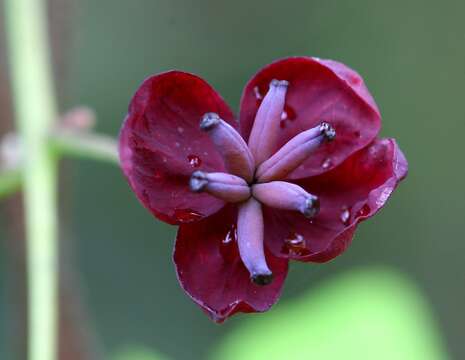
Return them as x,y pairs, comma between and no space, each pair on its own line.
35,110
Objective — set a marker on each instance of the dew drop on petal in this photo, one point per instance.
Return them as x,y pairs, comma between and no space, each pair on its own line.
290,113
295,239
194,161
180,129
294,244
231,236
186,215
364,211
177,144
354,80
256,91
345,216
228,248
327,163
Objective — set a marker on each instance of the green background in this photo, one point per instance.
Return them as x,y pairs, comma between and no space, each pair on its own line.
412,57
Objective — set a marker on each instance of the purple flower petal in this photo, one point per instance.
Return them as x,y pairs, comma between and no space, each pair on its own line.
318,91
211,272
161,145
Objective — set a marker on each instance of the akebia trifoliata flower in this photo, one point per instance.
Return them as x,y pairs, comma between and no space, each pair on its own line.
289,179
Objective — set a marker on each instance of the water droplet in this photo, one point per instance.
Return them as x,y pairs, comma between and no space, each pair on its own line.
229,250
327,163
205,153
180,129
294,244
186,215
354,79
177,144
345,216
165,160
230,236
290,112
295,239
194,161
364,211
256,91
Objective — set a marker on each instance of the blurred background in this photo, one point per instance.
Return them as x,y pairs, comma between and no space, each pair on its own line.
412,57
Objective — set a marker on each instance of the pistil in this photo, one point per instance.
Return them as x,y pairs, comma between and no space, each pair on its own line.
237,157
265,130
250,241
294,153
224,186
286,196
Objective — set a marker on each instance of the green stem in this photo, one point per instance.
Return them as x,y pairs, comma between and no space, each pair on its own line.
78,144
85,145
35,108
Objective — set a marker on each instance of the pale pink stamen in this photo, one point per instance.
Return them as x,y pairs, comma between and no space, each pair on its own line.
237,157
250,240
286,196
294,153
265,130
224,186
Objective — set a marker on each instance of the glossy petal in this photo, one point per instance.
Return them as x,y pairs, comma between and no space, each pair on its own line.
319,90
211,272
352,192
353,79
161,145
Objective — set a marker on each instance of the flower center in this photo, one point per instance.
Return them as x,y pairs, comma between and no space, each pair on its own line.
254,171
294,153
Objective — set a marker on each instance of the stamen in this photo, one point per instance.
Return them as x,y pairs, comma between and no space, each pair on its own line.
287,196
250,241
294,153
224,186
237,157
262,141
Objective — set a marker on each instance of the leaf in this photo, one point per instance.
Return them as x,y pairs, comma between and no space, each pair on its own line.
133,352
363,314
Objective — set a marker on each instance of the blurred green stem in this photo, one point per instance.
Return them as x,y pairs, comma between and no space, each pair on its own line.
35,108
78,144
85,145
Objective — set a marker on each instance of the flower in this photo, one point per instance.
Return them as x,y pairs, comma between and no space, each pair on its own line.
289,180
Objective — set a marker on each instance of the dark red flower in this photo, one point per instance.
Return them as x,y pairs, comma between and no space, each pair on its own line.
290,180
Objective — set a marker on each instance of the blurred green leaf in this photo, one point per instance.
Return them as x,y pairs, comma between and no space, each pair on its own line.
133,352
363,314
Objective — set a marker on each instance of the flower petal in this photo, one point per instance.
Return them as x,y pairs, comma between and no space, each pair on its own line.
211,272
319,90
161,145
352,192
